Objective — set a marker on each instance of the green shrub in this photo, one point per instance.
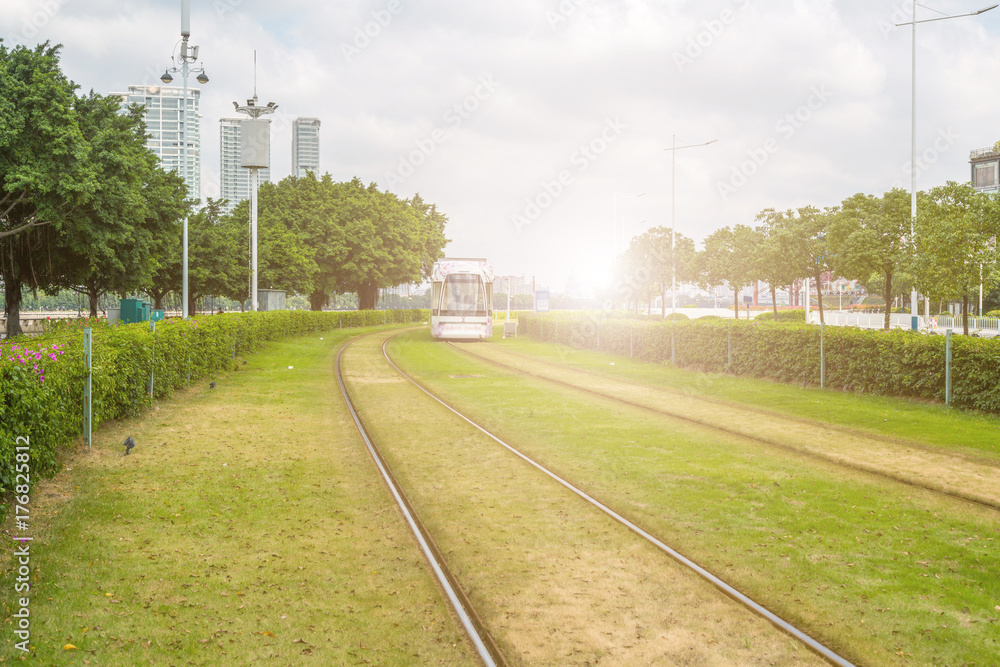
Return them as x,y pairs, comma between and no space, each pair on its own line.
42,379
677,317
783,316
891,363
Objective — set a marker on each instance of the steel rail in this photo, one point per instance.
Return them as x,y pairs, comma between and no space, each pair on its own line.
954,495
721,585
488,652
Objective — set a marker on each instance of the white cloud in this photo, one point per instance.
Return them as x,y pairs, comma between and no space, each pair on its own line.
563,68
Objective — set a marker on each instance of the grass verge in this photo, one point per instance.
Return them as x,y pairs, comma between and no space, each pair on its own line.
247,527
880,572
968,432
555,580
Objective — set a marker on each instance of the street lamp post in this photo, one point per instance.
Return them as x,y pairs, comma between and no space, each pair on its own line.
188,55
673,205
913,138
255,137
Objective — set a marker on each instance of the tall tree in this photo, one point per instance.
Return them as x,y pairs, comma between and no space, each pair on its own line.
873,236
956,243
775,258
44,167
811,248
109,247
728,257
658,253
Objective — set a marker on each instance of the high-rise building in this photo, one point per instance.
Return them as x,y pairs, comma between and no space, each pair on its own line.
986,168
234,180
164,119
305,146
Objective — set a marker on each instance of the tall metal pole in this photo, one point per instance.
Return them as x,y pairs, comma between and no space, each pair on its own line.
184,156
254,183
913,167
673,224
913,139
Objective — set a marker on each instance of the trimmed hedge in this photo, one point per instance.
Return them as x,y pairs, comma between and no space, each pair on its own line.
42,378
890,363
783,316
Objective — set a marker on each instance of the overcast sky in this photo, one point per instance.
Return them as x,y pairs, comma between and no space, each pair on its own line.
524,120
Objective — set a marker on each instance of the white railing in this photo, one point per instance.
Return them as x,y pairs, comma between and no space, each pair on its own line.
839,318
984,326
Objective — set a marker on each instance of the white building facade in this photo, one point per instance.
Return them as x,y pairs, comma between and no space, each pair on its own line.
234,180
164,127
305,146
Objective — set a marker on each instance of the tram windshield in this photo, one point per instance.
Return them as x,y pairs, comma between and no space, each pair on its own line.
463,296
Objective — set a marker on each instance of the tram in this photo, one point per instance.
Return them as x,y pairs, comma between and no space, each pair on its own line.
462,299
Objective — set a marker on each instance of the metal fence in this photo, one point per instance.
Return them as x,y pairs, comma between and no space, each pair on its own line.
981,326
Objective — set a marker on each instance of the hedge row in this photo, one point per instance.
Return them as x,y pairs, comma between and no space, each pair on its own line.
891,363
42,378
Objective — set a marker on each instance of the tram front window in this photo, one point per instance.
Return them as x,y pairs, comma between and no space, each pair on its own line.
463,296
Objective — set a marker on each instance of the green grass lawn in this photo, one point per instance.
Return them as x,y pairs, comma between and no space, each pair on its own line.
247,527
972,433
884,573
556,581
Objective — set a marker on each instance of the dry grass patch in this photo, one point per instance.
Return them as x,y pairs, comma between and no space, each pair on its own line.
555,580
882,573
247,527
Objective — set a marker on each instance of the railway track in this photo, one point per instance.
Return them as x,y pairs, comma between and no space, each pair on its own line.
990,503
483,642
449,582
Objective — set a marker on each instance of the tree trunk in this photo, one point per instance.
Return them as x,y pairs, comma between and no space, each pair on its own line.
317,300
736,302
774,301
93,294
12,292
368,296
819,296
888,298
663,302
965,313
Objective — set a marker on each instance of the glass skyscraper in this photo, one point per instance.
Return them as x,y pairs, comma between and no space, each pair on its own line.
235,180
305,146
164,117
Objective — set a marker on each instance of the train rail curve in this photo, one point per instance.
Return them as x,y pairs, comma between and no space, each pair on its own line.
953,493
812,644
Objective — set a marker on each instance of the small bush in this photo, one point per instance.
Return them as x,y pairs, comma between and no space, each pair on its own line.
677,317
783,316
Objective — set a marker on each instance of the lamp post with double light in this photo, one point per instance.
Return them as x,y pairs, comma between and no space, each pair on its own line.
673,206
182,64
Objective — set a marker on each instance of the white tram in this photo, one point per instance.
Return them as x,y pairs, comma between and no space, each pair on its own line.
462,299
